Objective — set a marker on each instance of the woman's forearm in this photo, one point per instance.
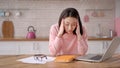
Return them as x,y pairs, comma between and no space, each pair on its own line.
82,46
56,45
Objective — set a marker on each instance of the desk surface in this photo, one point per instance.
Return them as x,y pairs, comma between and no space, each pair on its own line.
10,62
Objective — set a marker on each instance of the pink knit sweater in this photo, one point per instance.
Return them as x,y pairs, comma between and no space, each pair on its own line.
67,44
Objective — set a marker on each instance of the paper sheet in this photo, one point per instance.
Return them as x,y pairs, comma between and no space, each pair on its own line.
34,61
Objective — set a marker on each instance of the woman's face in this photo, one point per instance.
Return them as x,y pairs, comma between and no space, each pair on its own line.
70,23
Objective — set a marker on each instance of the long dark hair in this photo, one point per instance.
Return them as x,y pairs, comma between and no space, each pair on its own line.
71,12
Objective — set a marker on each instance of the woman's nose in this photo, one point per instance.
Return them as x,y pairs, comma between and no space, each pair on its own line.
70,28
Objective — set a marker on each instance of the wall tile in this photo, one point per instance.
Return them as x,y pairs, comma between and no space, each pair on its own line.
43,13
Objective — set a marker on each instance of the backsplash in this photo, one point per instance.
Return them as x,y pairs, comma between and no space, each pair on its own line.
43,13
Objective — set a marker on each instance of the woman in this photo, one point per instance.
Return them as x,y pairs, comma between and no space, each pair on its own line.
68,36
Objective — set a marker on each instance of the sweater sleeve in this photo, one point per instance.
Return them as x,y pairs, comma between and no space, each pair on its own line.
55,43
82,43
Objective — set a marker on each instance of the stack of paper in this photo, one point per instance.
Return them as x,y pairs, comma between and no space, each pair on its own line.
36,61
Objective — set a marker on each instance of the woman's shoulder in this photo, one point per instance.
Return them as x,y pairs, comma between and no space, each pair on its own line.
54,27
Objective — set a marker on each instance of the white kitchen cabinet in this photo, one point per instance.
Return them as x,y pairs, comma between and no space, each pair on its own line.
8,48
33,47
23,47
16,47
41,47
94,47
97,47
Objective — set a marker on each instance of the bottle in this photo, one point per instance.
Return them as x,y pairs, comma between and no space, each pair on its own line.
111,33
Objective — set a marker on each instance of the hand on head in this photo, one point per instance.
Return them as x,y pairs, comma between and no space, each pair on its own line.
78,29
61,29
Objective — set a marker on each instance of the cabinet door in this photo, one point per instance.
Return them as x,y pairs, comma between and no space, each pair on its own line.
95,47
8,48
25,47
33,47
106,44
41,47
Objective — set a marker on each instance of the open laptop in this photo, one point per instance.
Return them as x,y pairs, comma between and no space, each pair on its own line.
99,58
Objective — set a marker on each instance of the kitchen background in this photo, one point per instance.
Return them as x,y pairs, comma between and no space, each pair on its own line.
97,15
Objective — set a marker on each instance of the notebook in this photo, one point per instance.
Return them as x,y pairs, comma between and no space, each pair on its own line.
99,58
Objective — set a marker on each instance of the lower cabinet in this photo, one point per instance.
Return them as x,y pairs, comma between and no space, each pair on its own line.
97,47
23,47
34,47
94,47
41,47
8,48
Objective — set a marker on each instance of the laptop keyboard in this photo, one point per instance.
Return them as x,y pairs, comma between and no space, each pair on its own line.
97,57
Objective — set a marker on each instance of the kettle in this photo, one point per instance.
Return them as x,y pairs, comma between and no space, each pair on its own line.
31,33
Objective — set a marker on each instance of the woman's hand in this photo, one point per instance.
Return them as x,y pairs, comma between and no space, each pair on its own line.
61,29
78,31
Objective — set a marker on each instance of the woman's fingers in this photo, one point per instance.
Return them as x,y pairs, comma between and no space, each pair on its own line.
62,25
61,30
78,29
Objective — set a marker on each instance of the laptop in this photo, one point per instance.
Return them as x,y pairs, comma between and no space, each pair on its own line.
101,57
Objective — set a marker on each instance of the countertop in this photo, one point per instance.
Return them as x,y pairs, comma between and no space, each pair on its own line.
10,61
47,39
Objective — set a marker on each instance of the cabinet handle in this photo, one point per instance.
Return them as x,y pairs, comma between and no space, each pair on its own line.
36,46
